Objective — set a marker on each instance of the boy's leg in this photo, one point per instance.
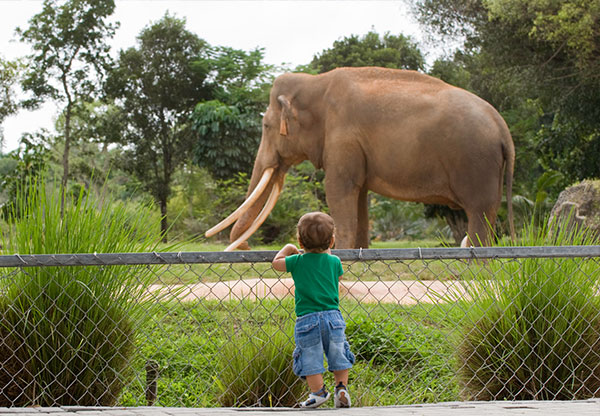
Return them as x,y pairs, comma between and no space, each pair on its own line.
341,396
339,357
315,382
341,376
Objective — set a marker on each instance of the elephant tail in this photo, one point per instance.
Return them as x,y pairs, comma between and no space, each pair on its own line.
509,165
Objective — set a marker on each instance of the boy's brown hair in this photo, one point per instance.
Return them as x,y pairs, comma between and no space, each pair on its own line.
315,231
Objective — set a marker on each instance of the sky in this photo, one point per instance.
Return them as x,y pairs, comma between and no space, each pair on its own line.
290,31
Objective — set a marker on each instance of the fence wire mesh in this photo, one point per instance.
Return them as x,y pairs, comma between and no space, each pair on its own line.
216,329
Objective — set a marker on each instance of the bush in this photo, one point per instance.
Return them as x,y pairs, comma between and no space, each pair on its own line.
194,205
256,370
533,330
71,329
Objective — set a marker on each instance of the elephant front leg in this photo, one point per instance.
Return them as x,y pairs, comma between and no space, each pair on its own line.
362,237
343,207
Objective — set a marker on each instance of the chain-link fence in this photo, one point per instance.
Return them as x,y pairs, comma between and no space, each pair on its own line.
216,329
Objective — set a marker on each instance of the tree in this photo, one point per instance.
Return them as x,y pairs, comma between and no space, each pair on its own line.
569,139
229,127
228,138
239,77
94,126
156,85
548,50
9,76
568,27
537,62
23,165
70,55
371,49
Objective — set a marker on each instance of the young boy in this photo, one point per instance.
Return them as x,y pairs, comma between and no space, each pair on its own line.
319,324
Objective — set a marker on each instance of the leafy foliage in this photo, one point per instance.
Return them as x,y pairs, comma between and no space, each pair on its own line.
571,144
228,138
96,122
301,193
240,78
385,343
397,220
567,25
372,49
68,39
23,165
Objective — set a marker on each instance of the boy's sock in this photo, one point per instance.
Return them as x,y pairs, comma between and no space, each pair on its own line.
322,392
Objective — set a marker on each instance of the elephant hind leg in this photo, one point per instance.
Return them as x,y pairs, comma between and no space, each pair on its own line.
480,227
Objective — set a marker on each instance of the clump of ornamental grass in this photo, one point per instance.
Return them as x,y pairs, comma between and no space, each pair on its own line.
68,332
532,331
256,370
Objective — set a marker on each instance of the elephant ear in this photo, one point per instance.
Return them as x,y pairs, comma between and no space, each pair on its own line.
286,110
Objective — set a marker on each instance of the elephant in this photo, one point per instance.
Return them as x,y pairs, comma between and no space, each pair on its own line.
398,133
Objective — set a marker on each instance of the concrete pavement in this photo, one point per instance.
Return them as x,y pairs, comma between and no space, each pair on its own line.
528,408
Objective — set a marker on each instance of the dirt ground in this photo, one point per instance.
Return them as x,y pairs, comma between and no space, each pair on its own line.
405,292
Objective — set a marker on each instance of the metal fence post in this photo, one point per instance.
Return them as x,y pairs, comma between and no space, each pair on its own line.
152,370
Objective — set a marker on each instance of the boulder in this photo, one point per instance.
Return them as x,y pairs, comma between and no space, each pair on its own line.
579,205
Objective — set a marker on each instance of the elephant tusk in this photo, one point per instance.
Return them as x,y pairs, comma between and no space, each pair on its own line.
256,193
259,219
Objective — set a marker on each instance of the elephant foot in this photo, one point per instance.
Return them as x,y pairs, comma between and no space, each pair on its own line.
244,246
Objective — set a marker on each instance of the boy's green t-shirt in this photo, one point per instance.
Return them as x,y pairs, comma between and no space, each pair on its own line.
316,281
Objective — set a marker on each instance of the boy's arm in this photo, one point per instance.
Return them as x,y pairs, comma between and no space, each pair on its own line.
279,260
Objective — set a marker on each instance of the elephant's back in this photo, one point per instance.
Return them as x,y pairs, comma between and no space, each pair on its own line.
385,79
405,101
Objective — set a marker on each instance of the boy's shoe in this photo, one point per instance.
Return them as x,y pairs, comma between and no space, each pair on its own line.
341,397
316,399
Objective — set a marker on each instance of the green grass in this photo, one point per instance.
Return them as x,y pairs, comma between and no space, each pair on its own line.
196,345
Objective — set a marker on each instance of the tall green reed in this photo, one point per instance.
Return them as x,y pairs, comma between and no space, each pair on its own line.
256,370
71,329
532,331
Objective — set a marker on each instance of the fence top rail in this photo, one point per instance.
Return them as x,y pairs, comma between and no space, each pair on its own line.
113,259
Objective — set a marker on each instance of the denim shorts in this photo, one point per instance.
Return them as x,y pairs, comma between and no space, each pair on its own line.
321,333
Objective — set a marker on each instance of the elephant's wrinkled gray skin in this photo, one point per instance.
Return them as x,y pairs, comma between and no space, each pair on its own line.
398,133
